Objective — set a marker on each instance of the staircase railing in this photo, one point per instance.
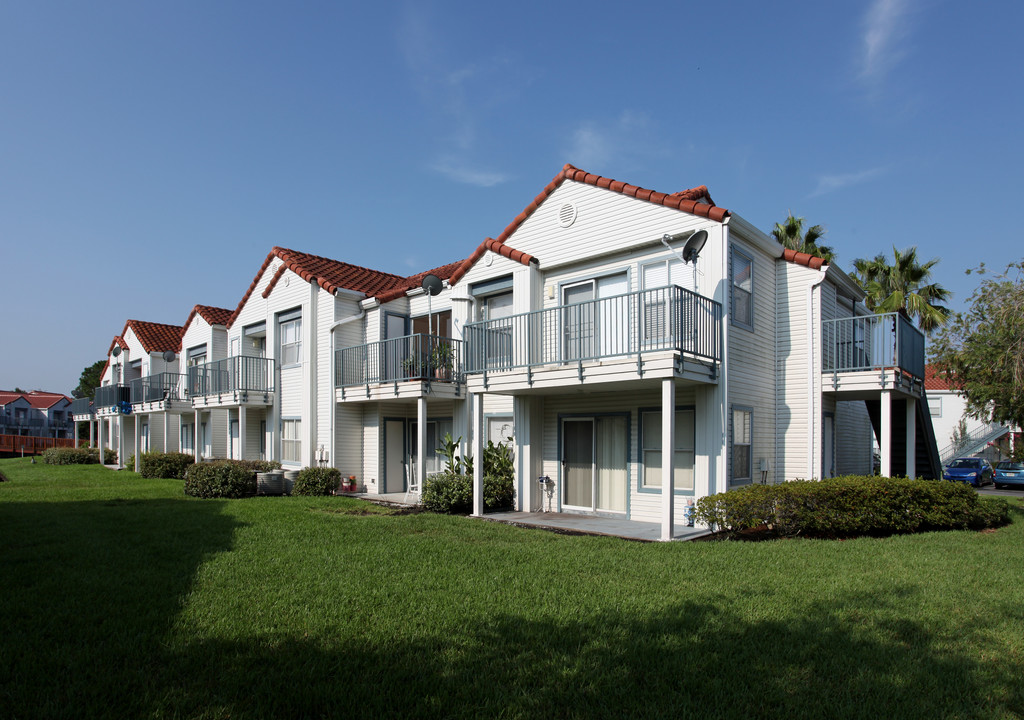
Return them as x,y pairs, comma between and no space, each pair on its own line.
971,441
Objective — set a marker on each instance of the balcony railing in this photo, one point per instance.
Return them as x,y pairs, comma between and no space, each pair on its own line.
411,357
21,422
240,373
110,396
669,318
873,342
162,386
81,406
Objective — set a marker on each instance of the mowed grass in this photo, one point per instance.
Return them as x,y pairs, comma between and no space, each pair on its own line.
120,597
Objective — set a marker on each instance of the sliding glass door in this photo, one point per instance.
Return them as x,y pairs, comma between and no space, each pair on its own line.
594,463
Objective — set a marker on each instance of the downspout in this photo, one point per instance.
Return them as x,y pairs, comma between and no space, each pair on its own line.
813,372
333,460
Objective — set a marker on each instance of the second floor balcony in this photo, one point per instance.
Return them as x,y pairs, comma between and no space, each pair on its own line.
410,358
82,407
883,350
160,388
670,320
237,380
112,399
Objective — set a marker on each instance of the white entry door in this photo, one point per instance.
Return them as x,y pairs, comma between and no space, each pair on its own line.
394,456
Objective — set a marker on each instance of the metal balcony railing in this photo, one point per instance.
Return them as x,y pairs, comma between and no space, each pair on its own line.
872,342
162,386
82,406
110,396
10,421
669,318
240,373
411,357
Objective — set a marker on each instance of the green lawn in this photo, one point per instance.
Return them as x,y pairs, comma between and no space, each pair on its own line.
120,597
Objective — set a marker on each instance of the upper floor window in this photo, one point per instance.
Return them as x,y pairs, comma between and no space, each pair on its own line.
290,332
742,290
197,355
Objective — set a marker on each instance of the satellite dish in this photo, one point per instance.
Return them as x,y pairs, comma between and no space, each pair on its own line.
116,351
694,245
168,356
432,284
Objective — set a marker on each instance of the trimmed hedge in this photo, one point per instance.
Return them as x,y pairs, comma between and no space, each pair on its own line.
78,456
165,465
447,492
317,481
850,506
255,465
220,479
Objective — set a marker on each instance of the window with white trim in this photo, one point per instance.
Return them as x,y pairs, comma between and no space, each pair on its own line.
187,437
742,290
291,441
935,406
742,439
650,449
291,341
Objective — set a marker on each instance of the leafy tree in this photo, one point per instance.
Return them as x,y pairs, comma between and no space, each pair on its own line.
959,437
89,380
981,351
790,234
903,286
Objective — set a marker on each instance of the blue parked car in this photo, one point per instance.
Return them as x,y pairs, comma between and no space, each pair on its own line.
976,471
1009,472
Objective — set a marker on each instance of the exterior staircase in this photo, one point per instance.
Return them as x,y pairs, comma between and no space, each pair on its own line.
973,442
926,457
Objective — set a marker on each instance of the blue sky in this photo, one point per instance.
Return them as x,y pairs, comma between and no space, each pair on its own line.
151,154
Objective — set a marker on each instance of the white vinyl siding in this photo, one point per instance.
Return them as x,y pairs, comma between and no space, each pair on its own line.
742,275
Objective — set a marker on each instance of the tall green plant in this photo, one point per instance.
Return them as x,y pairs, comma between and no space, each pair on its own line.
791,235
903,286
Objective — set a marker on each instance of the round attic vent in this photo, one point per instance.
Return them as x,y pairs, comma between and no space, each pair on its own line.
567,215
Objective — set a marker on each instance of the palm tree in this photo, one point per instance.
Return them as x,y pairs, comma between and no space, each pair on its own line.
790,234
903,287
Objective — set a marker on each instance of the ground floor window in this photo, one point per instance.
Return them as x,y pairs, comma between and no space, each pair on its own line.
651,451
187,430
436,431
742,435
291,443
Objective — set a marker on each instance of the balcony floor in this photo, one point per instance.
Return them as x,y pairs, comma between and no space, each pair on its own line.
868,384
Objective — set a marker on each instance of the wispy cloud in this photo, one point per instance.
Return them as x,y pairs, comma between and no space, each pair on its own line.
885,27
458,93
831,183
594,144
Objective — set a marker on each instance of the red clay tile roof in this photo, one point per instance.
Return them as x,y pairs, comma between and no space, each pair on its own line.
155,337
118,340
43,400
800,258
212,315
933,380
9,397
696,201
414,281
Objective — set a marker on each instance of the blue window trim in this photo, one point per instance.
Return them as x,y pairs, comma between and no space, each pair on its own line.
733,251
629,454
640,449
739,482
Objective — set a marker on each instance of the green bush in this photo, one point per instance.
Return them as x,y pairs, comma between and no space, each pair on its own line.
991,512
447,492
317,481
219,479
78,456
165,465
848,507
255,465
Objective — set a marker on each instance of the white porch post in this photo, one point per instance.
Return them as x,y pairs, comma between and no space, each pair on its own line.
122,442
911,437
195,437
138,429
76,432
167,430
668,436
241,432
478,454
886,433
99,437
421,442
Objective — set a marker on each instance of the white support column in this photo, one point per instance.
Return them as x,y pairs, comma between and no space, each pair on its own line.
421,443
521,421
138,431
167,431
122,442
668,436
911,437
99,437
885,446
76,433
195,437
478,454
241,432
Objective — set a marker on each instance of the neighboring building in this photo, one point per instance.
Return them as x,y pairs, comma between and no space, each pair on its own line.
947,407
36,413
583,336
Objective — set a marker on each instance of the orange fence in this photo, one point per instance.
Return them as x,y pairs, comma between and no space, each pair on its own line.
32,445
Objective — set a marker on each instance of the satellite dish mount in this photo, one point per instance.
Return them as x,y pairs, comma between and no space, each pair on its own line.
694,245
431,285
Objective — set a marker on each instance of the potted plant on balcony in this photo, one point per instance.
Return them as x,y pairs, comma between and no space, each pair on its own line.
441,359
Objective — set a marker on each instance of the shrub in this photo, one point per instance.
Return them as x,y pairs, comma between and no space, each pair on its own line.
255,465
130,462
70,456
849,506
317,481
991,512
219,479
165,465
447,492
